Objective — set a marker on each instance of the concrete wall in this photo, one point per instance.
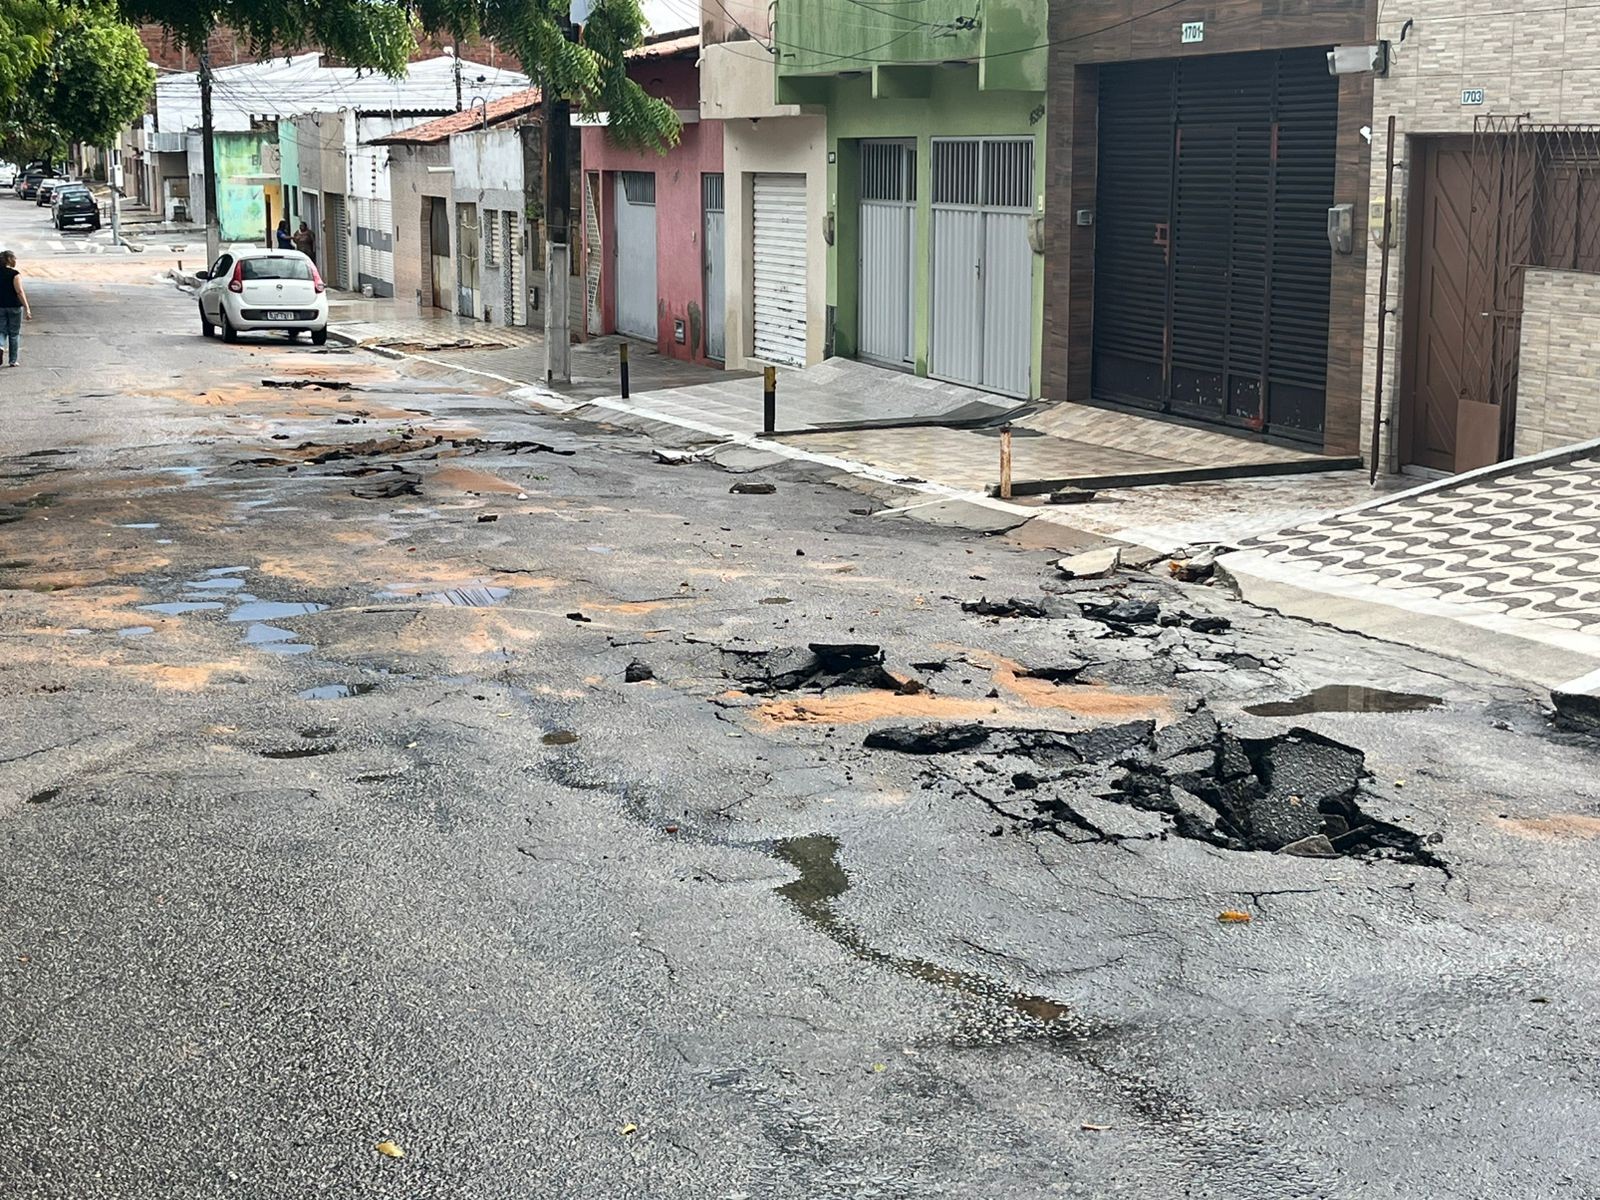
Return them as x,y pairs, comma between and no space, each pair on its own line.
680,266
1536,57
409,183
242,206
489,172
956,107
289,171
1558,388
1010,41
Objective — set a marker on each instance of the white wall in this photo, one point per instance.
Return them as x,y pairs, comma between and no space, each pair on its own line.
487,160
736,86
797,145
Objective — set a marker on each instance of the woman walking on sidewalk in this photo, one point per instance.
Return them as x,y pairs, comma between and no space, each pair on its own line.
13,305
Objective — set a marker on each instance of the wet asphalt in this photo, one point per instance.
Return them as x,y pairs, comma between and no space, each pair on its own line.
329,818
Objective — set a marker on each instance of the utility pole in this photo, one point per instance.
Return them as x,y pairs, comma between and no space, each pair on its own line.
208,156
455,53
116,207
557,225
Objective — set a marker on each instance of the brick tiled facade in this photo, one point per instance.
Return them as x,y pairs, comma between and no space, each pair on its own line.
1092,33
229,48
1534,57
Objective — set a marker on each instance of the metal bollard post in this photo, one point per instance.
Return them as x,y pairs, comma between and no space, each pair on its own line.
1005,461
769,399
622,351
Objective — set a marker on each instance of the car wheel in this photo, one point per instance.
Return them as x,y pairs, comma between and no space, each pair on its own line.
229,333
294,335
207,329
319,337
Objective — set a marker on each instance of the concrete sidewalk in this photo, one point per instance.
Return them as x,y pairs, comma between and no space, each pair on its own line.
508,353
889,426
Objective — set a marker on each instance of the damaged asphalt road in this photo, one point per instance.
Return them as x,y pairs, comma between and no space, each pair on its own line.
657,840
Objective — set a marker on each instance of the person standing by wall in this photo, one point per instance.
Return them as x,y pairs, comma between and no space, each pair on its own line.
13,307
305,241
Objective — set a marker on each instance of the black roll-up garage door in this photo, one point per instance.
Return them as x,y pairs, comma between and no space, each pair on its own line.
1211,256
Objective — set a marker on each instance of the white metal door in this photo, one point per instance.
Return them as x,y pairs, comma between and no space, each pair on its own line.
716,276
981,298
339,232
511,269
593,258
634,253
888,259
779,269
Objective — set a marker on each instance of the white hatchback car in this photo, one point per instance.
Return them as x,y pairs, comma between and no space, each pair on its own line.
251,289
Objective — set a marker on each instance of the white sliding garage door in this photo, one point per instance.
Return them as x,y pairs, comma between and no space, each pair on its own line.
635,253
779,271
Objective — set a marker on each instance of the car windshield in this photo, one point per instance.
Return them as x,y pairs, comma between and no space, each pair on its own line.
73,193
277,268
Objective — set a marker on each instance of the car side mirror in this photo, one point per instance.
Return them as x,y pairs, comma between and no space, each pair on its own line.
202,274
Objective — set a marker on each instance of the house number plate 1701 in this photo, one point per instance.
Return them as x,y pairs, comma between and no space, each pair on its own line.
1193,31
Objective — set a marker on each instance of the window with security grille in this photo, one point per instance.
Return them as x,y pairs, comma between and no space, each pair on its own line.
639,186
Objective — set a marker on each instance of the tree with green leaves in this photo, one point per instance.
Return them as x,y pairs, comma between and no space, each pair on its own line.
26,29
97,79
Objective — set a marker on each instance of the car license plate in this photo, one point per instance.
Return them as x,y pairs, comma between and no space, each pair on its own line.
279,315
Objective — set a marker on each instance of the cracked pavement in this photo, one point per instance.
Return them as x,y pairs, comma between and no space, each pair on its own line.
554,933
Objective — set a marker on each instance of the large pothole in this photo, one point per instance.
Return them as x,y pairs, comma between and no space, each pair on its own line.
1296,792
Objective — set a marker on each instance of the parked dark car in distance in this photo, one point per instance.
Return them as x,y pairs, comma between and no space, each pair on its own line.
29,186
75,204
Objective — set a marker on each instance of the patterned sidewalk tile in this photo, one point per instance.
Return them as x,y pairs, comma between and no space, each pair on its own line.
1523,544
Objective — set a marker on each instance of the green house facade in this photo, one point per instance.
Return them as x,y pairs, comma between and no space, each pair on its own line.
936,139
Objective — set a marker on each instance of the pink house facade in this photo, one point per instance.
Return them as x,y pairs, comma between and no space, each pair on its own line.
652,246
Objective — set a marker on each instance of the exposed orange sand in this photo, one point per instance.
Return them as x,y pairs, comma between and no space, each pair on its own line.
471,479
1564,827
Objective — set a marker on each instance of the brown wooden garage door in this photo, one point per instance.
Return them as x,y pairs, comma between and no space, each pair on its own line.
1211,256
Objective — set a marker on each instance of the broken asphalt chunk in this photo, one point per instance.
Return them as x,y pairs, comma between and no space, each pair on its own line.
927,739
745,488
638,672
1091,564
1121,614
1051,607
821,665
1193,570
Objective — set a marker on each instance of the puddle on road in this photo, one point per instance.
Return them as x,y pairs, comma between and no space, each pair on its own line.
136,631
461,597
1345,698
822,881
274,610
337,691
223,583
178,608
263,635
140,525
